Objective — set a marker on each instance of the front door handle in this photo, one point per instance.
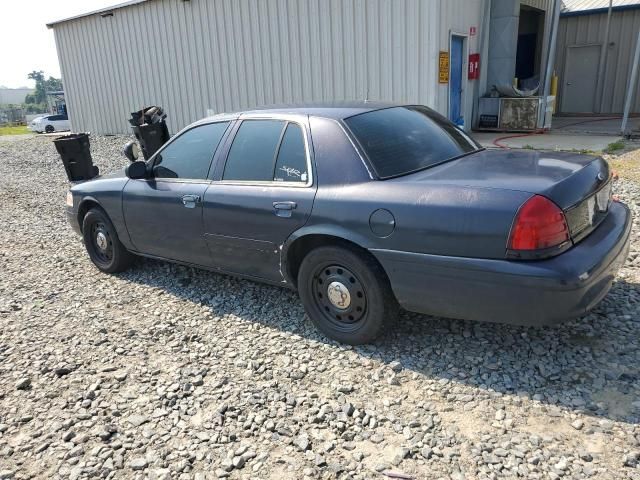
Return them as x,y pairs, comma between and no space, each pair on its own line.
284,209
190,201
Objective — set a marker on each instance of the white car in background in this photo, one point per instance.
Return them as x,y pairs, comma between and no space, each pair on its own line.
50,124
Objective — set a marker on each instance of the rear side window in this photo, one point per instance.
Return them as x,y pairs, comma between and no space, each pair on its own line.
189,156
266,151
291,164
253,150
402,140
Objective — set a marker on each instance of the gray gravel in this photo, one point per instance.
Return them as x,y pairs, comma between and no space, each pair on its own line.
170,372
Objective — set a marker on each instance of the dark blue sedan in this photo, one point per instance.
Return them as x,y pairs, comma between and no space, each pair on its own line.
365,208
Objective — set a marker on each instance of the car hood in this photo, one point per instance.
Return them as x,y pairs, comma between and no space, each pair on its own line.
564,177
117,174
88,185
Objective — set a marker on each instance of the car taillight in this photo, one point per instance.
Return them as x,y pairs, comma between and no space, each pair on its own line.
539,224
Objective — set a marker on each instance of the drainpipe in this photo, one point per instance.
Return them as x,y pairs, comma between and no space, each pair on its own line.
631,89
551,59
481,85
604,53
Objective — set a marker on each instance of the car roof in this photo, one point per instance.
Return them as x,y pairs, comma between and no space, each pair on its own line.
332,110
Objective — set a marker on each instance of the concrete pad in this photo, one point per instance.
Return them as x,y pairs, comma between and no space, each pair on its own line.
547,141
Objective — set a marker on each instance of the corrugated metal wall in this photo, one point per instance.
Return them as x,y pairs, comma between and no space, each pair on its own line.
227,55
590,29
539,4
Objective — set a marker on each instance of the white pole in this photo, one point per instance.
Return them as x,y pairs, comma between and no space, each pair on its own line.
631,87
604,53
551,59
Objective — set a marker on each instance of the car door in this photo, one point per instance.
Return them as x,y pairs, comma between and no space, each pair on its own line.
53,121
163,214
63,123
262,193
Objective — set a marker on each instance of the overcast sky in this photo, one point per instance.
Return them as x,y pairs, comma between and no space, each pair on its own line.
26,44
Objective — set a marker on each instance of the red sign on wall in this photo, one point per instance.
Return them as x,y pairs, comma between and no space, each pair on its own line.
474,66
472,31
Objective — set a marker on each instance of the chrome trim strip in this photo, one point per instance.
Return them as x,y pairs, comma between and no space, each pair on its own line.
305,135
354,147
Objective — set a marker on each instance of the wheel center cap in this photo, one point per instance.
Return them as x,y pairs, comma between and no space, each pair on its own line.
339,295
101,241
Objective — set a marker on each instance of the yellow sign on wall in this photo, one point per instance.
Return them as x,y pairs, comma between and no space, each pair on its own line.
443,63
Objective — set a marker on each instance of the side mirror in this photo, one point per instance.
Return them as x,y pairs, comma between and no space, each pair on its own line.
136,170
131,151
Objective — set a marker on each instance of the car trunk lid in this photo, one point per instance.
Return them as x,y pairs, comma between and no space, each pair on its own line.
579,184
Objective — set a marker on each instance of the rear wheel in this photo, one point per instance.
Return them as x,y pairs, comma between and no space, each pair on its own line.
346,294
102,243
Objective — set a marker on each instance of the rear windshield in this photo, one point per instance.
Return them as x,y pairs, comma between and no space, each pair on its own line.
402,140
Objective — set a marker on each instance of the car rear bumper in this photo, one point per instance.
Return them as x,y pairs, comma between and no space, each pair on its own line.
538,292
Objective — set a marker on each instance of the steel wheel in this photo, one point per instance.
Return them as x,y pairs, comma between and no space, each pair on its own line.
346,294
339,295
101,242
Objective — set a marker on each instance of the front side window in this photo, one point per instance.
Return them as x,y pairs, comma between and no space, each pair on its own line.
402,140
267,151
189,156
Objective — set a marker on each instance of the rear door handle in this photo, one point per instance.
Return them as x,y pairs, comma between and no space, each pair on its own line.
284,209
190,201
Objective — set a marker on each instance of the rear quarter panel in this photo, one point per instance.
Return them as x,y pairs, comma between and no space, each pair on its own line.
429,218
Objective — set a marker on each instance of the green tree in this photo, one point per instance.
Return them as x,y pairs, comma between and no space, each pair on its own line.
43,86
40,95
53,84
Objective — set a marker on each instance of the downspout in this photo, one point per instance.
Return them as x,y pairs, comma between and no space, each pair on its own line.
551,59
481,84
604,54
631,89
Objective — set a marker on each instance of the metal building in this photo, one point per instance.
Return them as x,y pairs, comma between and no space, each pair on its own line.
593,61
194,57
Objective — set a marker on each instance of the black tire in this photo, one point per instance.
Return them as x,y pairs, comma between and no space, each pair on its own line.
49,129
102,243
346,294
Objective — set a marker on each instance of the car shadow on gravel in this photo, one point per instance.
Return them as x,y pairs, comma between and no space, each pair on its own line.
591,364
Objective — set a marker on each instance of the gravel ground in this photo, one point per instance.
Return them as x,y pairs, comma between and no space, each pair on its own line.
171,372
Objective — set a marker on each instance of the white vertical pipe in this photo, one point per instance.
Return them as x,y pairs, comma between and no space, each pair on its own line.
551,59
631,87
604,53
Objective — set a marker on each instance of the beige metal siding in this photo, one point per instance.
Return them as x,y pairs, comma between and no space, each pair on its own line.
539,4
590,29
582,5
228,55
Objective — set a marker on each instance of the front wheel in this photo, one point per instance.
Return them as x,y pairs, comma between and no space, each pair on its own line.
49,129
102,243
346,294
